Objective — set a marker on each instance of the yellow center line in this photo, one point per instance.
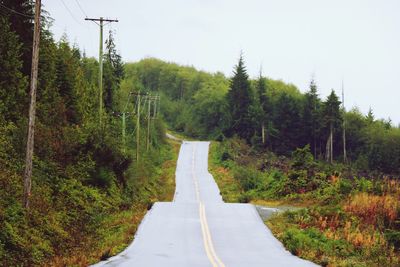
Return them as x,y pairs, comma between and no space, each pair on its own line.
196,185
208,244
208,236
205,240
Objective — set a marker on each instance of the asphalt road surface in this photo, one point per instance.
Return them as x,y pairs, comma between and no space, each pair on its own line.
199,229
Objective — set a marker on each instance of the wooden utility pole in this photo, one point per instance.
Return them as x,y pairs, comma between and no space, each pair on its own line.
148,123
155,108
155,99
101,21
32,107
344,127
124,132
138,127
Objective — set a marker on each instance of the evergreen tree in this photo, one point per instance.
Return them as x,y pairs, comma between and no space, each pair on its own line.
287,123
21,22
113,72
311,122
12,80
370,116
239,101
332,119
67,66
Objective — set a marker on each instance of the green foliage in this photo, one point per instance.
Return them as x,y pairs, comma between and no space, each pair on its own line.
302,158
298,240
311,119
113,73
22,26
83,176
12,81
240,100
206,106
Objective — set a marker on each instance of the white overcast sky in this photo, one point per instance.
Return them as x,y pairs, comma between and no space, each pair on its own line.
354,40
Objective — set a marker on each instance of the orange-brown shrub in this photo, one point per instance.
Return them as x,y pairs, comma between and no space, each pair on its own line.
372,209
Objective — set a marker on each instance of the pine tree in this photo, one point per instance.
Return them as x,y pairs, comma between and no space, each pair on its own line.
113,71
12,80
310,116
240,100
370,116
67,66
332,119
21,22
287,122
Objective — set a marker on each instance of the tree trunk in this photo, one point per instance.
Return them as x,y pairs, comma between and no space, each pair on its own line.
263,132
329,146
331,150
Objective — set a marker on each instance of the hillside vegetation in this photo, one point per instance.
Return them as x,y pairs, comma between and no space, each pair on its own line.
341,219
88,191
351,212
207,106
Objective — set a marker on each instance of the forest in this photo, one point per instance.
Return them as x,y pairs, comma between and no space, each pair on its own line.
270,116
89,192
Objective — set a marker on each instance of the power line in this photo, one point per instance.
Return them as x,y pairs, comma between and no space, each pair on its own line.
101,21
80,7
69,11
16,12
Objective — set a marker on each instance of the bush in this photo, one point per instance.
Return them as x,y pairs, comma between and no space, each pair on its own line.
363,185
302,159
378,211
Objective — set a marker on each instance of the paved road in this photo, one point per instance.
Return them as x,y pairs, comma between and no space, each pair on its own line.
199,229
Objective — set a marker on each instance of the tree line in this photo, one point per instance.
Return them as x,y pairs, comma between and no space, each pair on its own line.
82,173
269,114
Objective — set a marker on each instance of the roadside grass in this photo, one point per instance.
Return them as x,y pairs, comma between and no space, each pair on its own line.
228,186
341,221
273,203
331,240
118,229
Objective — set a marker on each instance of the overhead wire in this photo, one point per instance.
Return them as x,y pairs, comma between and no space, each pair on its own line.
80,7
16,12
70,12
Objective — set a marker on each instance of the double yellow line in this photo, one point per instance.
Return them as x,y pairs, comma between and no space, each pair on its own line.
208,244
196,184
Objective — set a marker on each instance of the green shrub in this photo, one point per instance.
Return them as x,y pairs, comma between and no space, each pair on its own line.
302,159
345,186
393,237
363,185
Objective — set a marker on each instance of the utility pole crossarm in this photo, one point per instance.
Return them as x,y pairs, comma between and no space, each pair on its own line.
102,19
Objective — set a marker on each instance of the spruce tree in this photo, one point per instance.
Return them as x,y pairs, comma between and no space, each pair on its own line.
239,100
113,72
287,122
311,122
332,119
21,22
12,80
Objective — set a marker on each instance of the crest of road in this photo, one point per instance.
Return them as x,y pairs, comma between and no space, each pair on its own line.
199,229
